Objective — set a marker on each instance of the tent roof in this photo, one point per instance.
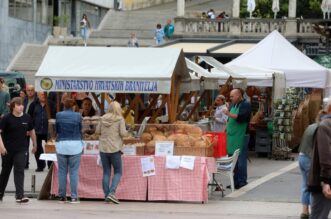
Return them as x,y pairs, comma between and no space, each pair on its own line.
275,52
115,64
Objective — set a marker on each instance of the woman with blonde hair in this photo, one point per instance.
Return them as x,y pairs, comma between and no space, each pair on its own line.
220,119
112,129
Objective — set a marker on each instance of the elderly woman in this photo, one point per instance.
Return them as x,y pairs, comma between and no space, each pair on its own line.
220,117
69,147
111,129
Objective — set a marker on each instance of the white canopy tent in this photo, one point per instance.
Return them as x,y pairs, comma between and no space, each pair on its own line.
255,76
116,70
210,81
275,52
103,69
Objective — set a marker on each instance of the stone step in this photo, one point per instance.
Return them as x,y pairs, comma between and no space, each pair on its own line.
115,33
29,58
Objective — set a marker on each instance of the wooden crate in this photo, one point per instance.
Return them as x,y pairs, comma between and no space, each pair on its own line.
50,149
194,151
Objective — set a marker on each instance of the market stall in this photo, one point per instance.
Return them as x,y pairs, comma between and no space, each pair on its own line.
291,115
155,71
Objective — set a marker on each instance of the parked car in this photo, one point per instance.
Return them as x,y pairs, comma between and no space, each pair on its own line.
15,82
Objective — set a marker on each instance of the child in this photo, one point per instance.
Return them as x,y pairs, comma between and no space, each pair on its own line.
159,34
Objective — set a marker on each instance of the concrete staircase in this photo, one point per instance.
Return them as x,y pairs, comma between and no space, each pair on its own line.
117,26
28,60
114,30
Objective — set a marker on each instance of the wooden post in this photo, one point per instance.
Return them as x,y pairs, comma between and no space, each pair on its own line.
102,108
149,108
48,109
155,114
187,101
96,100
196,104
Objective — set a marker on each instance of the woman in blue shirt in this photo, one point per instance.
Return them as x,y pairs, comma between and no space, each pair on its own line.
69,147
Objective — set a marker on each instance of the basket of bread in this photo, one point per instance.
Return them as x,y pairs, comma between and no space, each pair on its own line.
188,138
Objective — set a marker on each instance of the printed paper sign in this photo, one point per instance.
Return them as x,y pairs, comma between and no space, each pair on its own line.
91,147
148,166
50,157
172,162
187,162
164,148
129,150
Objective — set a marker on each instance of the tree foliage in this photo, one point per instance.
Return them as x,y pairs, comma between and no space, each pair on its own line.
305,8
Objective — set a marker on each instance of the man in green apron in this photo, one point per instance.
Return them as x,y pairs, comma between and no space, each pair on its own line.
236,133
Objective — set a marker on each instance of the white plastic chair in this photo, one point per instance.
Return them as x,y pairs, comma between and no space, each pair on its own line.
225,167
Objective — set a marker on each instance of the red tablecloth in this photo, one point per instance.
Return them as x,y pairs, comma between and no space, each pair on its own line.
172,185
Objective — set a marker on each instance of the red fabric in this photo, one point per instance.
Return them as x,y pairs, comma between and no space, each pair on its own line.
220,143
172,185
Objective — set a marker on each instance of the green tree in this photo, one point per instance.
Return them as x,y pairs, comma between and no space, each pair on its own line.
305,8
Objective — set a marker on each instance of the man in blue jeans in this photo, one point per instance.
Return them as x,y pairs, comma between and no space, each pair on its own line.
237,134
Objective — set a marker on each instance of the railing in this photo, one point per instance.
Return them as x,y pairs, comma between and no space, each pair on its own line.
262,25
245,26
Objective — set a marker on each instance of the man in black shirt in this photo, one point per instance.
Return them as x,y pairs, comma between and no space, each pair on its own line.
14,128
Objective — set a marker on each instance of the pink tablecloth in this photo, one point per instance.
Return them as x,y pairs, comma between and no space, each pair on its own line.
172,185
133,186
182,184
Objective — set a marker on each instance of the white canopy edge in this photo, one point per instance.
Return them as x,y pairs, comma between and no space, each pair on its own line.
218,65
210,81
110,69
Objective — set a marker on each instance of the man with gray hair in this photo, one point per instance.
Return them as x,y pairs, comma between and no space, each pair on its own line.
320,172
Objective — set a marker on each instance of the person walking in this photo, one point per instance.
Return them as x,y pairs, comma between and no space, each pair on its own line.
84,27
27,101
236,133
69,147
305,153
39,115
169,30
220,119
4,99
13,145
112,129
159,34
319,179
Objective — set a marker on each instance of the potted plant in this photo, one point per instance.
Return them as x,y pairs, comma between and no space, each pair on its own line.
56,27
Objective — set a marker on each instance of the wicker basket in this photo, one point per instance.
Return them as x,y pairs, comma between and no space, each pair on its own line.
50,149
194,151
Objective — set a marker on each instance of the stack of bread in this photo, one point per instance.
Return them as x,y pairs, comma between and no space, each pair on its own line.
181,133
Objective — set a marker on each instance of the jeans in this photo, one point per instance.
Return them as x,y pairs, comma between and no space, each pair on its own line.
304,164
240,174
108,160
83,33
18,160
320,206
71,163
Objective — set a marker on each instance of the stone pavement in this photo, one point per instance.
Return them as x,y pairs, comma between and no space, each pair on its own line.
273,192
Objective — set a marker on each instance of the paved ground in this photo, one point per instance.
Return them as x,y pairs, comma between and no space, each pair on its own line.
273,192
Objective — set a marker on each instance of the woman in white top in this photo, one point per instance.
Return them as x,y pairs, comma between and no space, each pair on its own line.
220,118
84,26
